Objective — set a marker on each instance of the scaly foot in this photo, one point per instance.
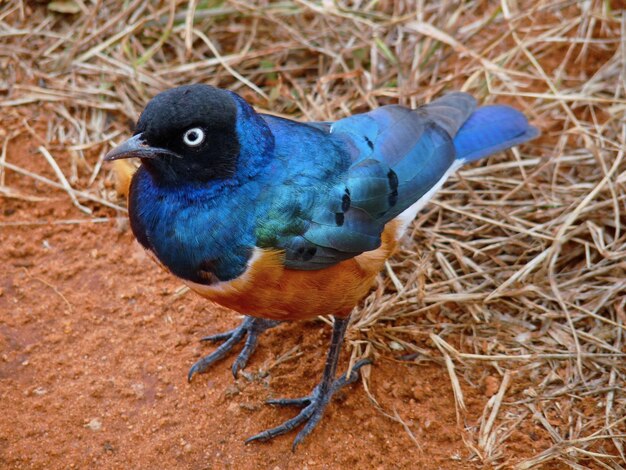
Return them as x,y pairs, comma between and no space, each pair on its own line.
250,326
312,406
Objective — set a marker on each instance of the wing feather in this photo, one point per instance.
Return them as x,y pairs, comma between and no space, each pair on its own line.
395,155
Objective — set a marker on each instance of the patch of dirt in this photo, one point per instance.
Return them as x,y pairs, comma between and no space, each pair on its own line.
96,344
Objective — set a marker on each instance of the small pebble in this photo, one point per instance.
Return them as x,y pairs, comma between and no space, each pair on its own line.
95,424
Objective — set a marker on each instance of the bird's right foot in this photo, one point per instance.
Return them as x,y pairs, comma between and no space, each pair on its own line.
252,327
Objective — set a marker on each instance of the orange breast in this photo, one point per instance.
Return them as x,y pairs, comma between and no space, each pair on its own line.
269,290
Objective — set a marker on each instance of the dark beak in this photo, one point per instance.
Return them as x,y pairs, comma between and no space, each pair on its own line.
135,147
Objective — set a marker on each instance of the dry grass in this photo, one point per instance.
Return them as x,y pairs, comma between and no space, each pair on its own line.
518,270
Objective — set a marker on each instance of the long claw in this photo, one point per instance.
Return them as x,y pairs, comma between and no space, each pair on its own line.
354,375
220,336
284,428
248,348
221,352
252,327
312,406
308,427
300,402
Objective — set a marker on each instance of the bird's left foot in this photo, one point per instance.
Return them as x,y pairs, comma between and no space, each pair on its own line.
312,406
251,327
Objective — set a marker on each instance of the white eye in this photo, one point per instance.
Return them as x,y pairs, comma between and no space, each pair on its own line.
193,137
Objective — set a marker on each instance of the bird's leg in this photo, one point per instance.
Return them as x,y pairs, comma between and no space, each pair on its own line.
314,405
250,326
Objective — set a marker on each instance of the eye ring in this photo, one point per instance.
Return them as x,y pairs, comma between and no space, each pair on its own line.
193,137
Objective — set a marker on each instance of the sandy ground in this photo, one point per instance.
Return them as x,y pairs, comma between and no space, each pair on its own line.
96,344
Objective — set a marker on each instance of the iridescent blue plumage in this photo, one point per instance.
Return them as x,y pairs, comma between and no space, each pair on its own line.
321,192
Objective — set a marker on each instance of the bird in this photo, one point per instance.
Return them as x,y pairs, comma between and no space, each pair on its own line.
281,220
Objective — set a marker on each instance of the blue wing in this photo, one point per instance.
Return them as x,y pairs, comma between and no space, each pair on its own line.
357,174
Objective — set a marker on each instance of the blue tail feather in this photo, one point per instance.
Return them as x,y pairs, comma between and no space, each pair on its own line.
491,129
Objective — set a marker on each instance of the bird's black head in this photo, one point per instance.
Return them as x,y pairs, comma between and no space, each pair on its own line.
186,133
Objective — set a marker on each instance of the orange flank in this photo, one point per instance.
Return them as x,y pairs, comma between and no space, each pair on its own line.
269,290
